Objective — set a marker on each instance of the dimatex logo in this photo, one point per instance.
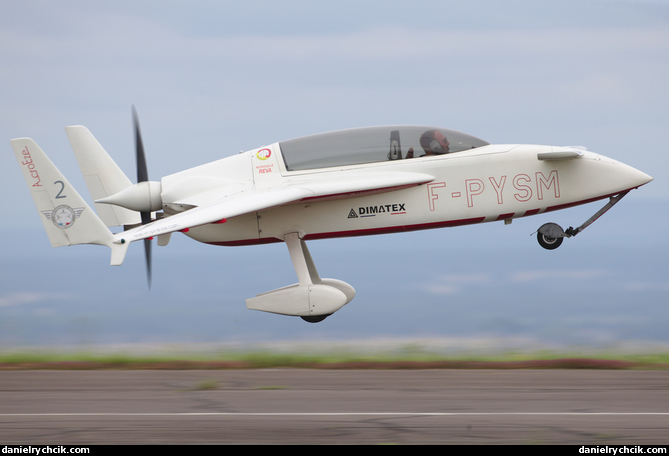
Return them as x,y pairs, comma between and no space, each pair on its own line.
372,211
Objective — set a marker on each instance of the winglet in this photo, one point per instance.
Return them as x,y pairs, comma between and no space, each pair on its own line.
66,217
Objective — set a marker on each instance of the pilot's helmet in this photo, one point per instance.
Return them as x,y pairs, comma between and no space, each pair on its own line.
434,142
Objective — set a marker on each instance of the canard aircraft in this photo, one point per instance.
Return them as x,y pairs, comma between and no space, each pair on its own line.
354,182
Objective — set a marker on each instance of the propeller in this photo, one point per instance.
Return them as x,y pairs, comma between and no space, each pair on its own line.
142,176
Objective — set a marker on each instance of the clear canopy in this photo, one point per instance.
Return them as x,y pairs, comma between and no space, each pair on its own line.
373,144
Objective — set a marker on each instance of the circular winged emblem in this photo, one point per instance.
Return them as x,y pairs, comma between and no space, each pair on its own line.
63,216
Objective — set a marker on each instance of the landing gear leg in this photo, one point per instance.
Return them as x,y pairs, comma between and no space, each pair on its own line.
313,298
304,267
551,235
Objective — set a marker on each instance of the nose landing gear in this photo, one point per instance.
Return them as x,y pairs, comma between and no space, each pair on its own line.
551,235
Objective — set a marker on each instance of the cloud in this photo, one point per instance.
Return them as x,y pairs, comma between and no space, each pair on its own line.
641,286
443,289
454,283
20,298
561,274
83,37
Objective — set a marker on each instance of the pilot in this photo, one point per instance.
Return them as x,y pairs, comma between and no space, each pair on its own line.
433,142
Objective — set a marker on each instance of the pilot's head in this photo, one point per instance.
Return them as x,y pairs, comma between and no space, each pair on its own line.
434,142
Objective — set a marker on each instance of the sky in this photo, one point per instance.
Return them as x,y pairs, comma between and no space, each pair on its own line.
210,79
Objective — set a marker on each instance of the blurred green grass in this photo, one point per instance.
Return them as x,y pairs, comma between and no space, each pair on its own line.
405,358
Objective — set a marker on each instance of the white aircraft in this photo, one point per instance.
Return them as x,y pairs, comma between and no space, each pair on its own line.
354,182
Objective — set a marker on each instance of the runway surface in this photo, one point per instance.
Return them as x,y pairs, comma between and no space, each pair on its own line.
311,406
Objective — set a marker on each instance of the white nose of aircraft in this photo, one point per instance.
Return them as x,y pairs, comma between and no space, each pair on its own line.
610,176
630,177
604,177
641,177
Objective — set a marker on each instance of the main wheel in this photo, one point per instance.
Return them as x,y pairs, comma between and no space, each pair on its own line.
315,318
549,243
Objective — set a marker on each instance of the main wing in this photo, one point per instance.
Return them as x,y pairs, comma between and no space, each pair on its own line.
238,204
254,199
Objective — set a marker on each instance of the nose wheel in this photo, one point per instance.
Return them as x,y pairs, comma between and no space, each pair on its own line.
551,235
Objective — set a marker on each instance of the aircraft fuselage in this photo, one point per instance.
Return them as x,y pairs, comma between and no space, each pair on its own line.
489,183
